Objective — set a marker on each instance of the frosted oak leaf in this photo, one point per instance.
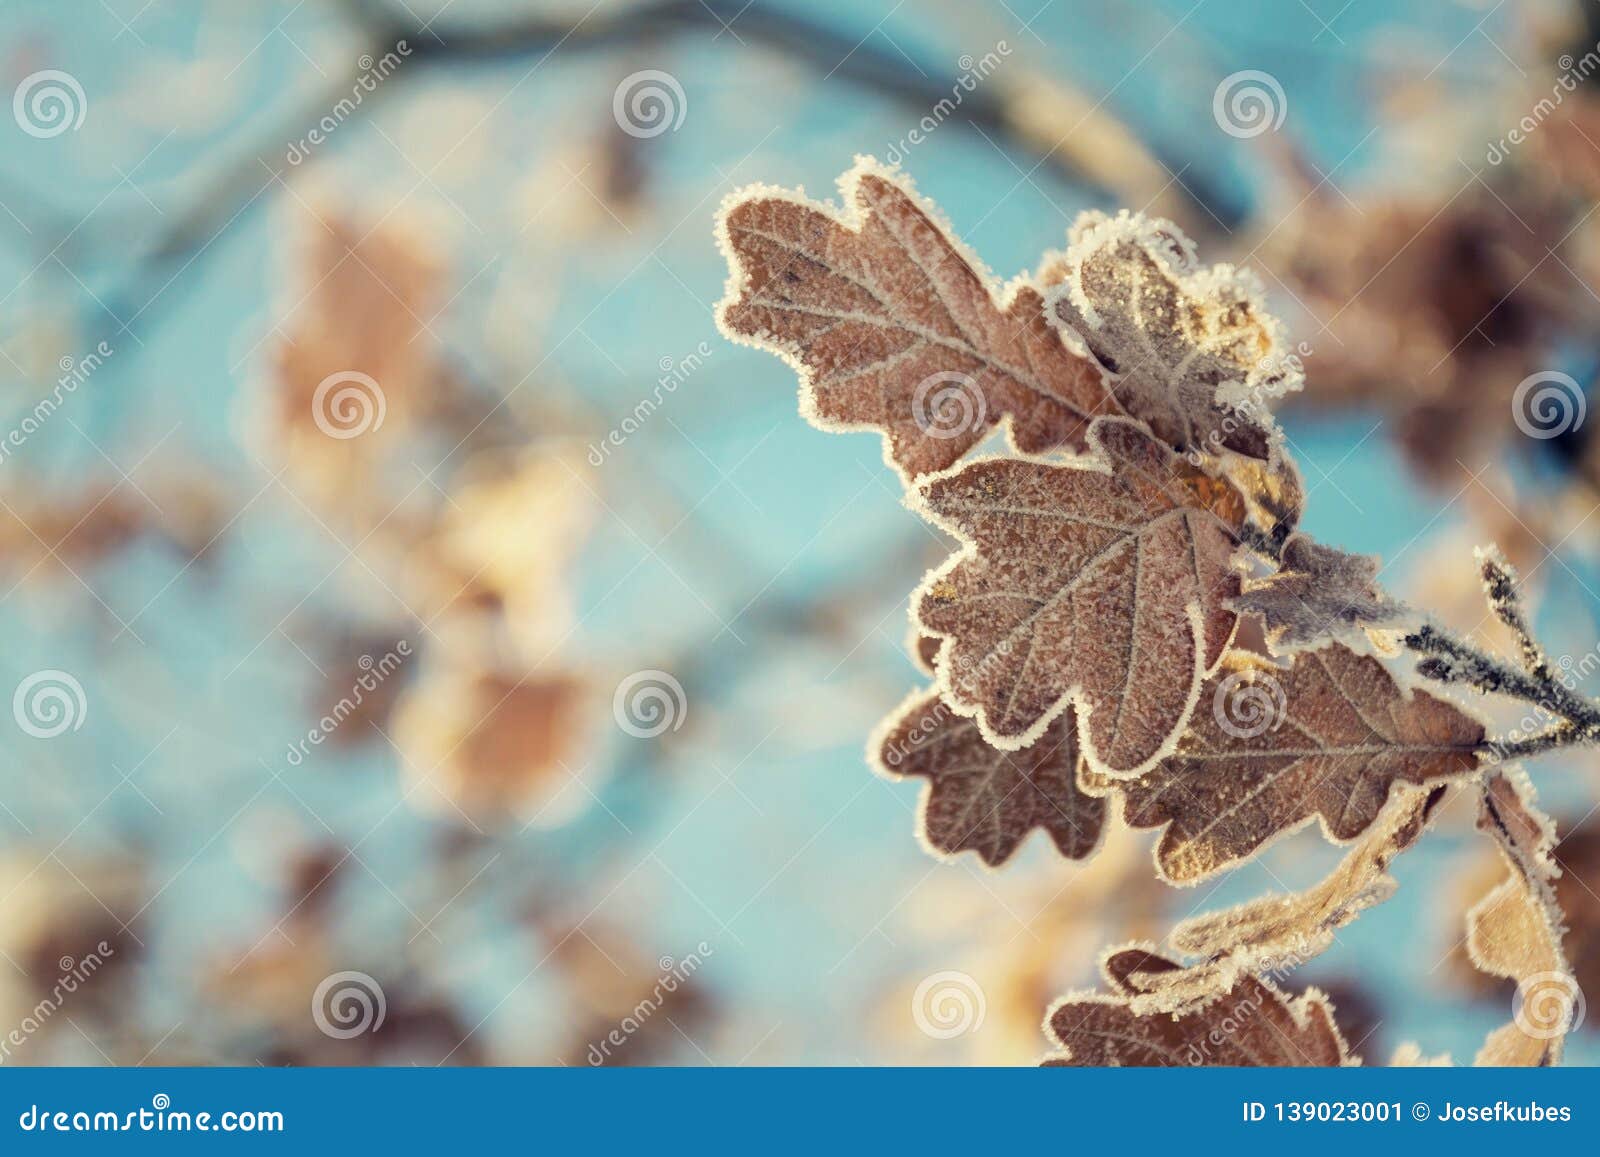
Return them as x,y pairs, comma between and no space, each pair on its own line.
1249,1023
1319,592
1349,734
880,309
1190,350
1105,582
984,799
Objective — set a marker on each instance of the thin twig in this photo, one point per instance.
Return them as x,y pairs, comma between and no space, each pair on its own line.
1500,588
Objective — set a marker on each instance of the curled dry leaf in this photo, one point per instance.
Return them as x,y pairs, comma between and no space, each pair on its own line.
1190,350
1515,931
1317,593
1281,932
893,325
1251,1023
985,799
1273,749
1104,581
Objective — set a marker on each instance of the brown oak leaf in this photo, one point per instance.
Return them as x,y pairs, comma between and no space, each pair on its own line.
893,325
1193,351
985,799
1319,592
1105,582
1515,931
1249,1023
1272,749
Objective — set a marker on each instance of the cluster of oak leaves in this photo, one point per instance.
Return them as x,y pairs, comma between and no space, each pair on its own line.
1134,620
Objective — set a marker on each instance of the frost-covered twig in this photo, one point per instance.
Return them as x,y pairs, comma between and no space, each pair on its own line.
1452,660
1500,588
